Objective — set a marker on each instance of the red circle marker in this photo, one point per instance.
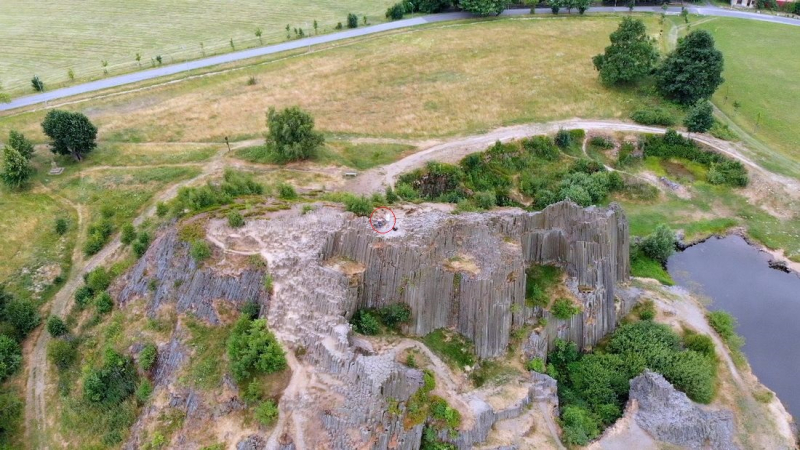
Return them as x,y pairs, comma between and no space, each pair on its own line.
390,228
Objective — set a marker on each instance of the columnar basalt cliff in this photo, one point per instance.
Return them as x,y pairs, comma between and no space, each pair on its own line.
465,272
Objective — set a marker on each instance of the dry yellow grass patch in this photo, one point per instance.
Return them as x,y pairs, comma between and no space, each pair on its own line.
458,78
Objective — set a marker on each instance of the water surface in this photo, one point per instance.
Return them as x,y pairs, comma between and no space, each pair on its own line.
765,301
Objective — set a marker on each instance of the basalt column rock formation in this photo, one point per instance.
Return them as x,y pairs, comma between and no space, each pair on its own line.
468,271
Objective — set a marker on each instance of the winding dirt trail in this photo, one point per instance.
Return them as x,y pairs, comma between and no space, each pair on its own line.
452,151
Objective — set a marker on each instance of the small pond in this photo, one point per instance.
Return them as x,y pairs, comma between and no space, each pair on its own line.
765,301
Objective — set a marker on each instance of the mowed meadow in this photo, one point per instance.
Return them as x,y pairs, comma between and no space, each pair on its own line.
459,78
50,38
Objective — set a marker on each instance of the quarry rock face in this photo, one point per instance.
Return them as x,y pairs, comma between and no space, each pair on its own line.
669,416
464,272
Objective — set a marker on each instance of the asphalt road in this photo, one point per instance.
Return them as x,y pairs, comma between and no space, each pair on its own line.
150,74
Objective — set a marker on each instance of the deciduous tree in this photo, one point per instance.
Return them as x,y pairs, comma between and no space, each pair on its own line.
700,117
16,168
291,134
693,71
484,7
19,142
72,133
631,55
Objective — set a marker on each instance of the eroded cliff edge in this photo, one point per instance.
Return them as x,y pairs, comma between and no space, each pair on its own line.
327,263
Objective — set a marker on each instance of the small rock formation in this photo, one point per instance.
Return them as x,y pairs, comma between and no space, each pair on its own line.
669,416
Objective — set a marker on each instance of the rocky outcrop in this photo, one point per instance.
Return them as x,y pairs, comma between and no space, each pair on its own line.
485,303
167,274
669,416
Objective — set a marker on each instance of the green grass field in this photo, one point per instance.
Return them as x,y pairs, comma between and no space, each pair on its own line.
761,68
50,38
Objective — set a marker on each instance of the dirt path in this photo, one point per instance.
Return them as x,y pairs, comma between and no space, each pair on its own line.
452,151
37,366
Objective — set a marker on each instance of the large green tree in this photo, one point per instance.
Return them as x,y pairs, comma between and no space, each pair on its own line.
16,168
700,117
693,71
72,133
484,7
10,356
631,55
291,134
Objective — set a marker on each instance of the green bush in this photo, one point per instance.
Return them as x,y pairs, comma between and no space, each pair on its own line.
352,21
286,191
266,413
56,327
395,12
536,365
601,142
484,200
251,309
23,316
128,234
235,220
10,357
83,295
253,349
660,245
113,382
147,357
103,303
701,344
291,134
143,391
653,116
626,157
200,251
360,206
646,310
579,426
454,348
10,414
563,138
563,309
542,147
98,279
443,415
234,184
62,353
162,209
391,197
395,314
365,322
61,226
723,323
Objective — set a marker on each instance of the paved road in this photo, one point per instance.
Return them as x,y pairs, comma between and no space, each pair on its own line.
150,74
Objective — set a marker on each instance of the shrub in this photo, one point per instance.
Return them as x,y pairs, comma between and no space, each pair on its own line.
268,283
56,327
411,361
147,357
443,414
360,206
128,234
563,138
62,353
484,200
352,21
653,116
723,323
286,192
693,373
200,251
647,310
143,391
23,316
365,322
103,303
542,147
251,309
235,220
266,413
701,344
579,426
536,365
391,197
83,296
10,357
113,382
162,209
252,349
395,12
700,117
10,412
625,158
61,226
395,314
601,142
564,309
98,279
660,245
